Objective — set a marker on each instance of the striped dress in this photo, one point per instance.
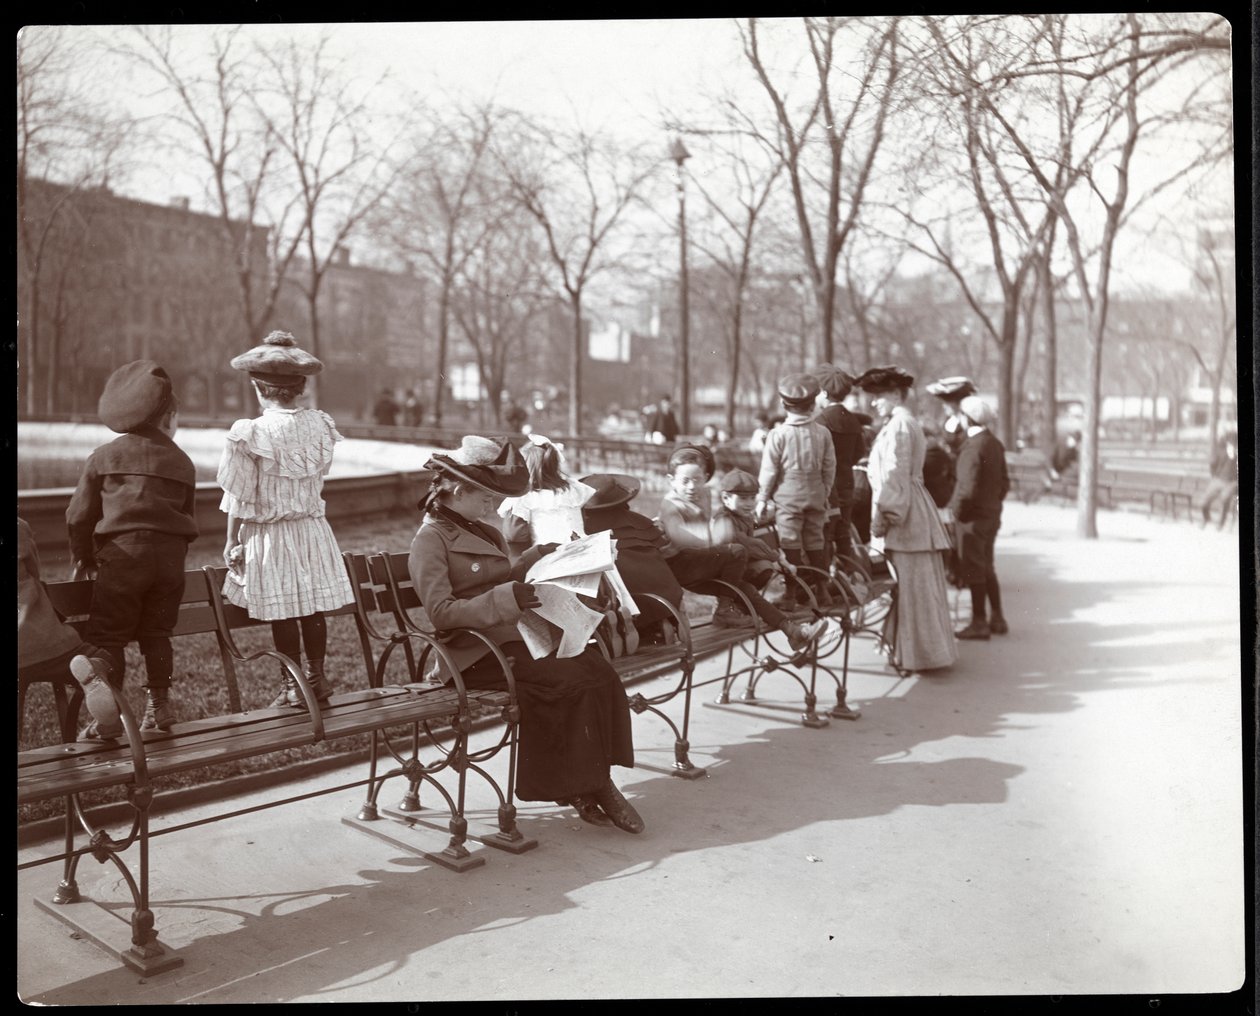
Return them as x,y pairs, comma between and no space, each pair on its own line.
272,474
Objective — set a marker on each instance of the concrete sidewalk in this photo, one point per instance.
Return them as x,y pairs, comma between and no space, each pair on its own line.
1060,814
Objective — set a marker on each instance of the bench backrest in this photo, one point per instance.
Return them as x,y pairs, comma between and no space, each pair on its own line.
229,618
73,601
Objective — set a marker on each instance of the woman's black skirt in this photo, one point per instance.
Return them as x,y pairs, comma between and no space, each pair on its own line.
575,720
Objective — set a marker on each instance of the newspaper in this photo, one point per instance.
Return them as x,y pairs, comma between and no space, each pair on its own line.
557,579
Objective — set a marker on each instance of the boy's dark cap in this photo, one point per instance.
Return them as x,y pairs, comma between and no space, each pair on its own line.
834,381
798,387
739,481
135,394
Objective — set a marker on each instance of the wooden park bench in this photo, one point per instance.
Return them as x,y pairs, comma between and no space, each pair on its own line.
387,712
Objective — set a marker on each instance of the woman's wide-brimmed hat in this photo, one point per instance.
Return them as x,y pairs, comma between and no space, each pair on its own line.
611,489
883,379
834,381
952,389
277,360
494,467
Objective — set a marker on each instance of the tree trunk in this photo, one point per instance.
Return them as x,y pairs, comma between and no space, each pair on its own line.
312,385
575,367
1006,371
732,384
1087,494
444,324
1049,362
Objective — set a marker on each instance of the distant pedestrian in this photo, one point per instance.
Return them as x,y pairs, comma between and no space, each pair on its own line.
979,490
413,409
516,416
284,565
662,427
131,519
1223,486
757,440
385,409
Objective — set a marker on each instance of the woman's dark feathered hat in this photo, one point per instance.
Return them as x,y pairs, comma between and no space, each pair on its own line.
494,467
883,379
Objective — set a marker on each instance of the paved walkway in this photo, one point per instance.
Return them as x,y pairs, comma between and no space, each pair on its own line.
1059,815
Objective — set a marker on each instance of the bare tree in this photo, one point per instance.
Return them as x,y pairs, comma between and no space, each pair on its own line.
1101,70
576,186
316,116
217,123
1214,275
430,213
64,134
847,123
730,247
498,295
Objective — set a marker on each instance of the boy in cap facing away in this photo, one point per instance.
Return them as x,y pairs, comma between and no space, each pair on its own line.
798,468
130,522
734,523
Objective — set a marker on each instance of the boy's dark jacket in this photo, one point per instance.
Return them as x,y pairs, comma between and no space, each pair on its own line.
640,560
139,481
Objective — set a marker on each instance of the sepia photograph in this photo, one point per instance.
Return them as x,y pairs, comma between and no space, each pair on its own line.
730,508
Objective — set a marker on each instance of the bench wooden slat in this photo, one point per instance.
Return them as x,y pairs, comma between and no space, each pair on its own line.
183,752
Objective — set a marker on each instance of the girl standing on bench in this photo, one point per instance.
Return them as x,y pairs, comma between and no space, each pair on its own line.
575,719
284,565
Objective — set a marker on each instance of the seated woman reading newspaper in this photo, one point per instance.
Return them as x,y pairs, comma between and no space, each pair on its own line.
575,720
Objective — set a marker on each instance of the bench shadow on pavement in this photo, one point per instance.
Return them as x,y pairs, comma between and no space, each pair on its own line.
367,929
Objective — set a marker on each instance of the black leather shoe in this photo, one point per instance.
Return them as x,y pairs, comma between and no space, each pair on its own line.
997,626
975,630
618,809
588,809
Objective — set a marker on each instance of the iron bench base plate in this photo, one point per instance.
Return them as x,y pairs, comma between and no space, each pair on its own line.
105,928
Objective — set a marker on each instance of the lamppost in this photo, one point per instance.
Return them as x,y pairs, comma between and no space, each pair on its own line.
678,152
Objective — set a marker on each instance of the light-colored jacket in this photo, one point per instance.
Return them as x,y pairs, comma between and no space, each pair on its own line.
466,582
895,469
798,464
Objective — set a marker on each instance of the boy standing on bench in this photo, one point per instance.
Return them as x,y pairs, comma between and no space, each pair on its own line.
130,522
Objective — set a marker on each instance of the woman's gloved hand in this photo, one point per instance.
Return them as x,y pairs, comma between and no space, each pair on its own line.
525,595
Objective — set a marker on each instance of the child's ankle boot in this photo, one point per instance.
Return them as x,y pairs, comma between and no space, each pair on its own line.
159,712
313,670
290,694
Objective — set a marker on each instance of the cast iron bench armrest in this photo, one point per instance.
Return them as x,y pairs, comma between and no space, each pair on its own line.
214,582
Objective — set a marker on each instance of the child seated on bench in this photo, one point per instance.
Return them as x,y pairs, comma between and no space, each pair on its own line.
640,547
47,645
734,523
684,518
